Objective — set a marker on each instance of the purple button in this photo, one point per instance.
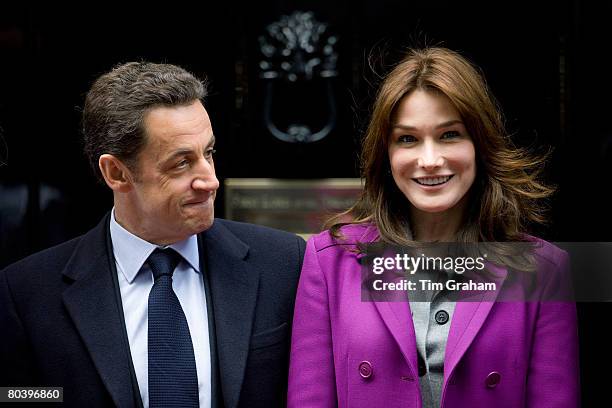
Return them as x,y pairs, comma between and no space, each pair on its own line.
365,369
493,379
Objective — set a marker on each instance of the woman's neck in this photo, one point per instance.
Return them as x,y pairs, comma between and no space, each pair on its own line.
437,227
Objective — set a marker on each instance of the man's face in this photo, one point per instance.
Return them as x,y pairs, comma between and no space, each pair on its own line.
175,184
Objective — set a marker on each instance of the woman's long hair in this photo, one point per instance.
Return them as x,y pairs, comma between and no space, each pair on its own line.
507,193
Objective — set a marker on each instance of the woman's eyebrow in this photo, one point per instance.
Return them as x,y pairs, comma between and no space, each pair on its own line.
440,125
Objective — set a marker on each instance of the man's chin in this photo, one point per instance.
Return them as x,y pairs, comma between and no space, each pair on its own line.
202,225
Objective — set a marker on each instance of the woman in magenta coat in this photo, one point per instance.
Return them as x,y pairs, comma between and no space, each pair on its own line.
438,167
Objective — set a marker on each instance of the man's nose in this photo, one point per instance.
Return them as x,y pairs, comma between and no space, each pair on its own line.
430,156
205,178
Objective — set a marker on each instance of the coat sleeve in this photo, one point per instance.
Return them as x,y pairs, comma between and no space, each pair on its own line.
311,368
553,376
16,359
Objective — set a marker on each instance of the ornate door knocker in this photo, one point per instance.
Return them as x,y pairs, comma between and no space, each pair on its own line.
298,48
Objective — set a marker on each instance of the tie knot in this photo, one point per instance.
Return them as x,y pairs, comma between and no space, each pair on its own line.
163,262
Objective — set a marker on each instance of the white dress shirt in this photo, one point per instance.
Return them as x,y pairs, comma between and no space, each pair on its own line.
135,283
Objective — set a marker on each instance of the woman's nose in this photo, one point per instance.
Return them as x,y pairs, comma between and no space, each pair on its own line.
430,156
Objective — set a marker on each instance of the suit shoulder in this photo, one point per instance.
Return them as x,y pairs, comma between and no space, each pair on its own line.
50,258
547,252
349,236
255,234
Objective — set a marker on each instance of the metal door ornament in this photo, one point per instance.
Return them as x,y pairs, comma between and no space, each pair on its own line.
297,48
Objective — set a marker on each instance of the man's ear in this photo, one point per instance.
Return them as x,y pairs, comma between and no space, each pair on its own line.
116,174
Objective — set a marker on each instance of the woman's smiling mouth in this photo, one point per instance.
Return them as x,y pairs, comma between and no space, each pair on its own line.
433,181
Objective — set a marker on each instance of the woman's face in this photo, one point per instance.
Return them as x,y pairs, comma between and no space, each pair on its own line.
431,154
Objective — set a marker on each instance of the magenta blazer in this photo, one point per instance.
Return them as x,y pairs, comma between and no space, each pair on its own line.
349,353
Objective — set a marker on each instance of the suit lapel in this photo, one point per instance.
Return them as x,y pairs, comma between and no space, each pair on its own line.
233,286
396,315
92,304
468,318
398,320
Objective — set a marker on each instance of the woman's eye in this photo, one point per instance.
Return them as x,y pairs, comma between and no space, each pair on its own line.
450,135
406,139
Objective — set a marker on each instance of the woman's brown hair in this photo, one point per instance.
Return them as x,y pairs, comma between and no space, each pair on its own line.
506,195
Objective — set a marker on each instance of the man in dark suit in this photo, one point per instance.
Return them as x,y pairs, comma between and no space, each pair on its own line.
160,304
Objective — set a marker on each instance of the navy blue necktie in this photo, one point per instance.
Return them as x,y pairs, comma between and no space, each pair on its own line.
173,379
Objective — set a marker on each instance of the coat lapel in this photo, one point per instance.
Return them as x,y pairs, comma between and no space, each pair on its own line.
233,286
91,302
396,315
398,320
468,318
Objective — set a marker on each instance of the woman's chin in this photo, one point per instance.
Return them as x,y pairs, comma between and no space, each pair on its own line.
432,208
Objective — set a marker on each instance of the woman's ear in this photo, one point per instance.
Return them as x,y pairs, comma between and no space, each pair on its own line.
116,174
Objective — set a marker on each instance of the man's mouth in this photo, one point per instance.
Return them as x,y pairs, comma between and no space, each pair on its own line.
202,201
433,181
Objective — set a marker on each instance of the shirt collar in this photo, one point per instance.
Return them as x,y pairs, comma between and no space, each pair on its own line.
131,251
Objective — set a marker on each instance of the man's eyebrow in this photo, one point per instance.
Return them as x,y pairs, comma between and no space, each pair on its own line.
185,151
177,153
438,126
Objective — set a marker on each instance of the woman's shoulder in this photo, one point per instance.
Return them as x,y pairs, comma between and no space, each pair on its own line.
349,235
547,251
553,271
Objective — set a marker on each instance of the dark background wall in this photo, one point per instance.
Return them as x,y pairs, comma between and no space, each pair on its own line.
547,63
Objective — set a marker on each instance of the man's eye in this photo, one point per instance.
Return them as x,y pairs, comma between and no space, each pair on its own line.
450,135
209,153
407,139
182,163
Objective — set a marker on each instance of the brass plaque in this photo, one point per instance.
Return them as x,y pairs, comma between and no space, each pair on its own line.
298,206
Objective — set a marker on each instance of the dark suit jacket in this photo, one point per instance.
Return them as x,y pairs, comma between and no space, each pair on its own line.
61,319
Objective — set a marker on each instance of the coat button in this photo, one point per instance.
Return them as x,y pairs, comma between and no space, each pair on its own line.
365,369
493,379
441,317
